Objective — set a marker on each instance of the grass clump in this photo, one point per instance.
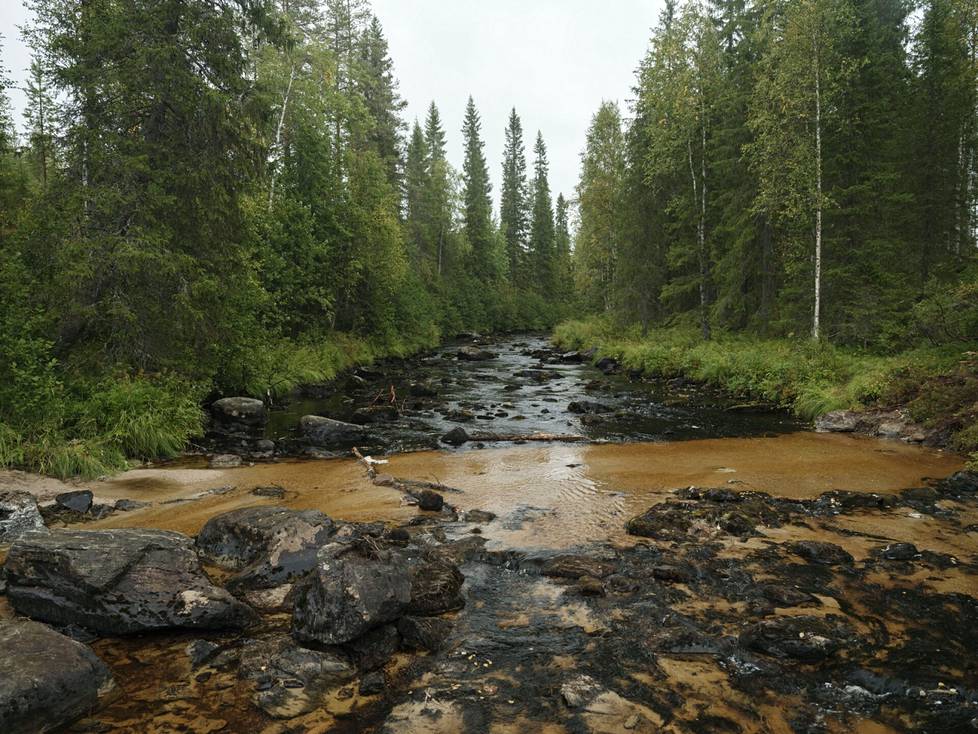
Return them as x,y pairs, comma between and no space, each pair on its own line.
937,385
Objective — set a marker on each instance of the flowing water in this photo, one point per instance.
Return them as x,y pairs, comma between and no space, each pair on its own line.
663,644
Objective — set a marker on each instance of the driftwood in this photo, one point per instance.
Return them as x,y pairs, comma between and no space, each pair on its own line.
411,487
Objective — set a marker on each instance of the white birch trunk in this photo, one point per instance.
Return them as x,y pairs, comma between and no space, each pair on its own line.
816,318
278,136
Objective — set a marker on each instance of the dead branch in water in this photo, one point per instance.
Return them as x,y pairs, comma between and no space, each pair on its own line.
516,437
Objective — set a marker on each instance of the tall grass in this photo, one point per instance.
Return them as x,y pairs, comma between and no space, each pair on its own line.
809,378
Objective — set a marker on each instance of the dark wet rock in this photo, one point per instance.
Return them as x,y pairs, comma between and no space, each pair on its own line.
456,437
46,679
608,365
898,552
576,566
240,411
224,461
127,505
273,490
924,495
809,639
264,447
436,587
826,554
19,515
291,680
839,501
665,521
579,691
460,416
117,582
430,501
463,550
590,586
77,501
785,596
376,414
587,406
348,594
479,516
474,354
201,651
265,546
425,389
424,633
963,482
373,683
398,535
332,434
373,649
670,573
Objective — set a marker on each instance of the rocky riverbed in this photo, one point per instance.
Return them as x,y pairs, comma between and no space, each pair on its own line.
754,577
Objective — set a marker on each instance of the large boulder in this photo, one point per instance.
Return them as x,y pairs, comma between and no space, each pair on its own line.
117,582
332,434
265,546
291,680
19,514
46,678
240,412
79,500
350,591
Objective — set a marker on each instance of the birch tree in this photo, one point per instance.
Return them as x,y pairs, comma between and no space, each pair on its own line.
801,77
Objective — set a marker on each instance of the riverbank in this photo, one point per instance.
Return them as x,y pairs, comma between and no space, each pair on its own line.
935,387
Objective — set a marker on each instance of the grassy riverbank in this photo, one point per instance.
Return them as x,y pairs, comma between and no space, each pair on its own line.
937,386
83,427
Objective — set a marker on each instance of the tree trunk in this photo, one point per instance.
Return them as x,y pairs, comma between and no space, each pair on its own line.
816,318
278,136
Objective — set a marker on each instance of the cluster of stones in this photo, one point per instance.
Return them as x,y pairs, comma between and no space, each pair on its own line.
356,594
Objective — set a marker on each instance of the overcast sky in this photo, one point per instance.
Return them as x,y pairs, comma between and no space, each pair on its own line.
554,60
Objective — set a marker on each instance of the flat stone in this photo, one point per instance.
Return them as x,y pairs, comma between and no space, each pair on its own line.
19,515
242,410
76,501
117,582
826,554
224,461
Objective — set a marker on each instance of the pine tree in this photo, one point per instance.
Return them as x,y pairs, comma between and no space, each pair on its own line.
514,199
379,90
542,245
438,192
562,250
415,187
477,212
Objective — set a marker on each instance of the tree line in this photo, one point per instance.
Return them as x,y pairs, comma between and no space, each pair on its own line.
791,167
207,186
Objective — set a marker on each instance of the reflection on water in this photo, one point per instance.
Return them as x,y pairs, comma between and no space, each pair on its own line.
553,495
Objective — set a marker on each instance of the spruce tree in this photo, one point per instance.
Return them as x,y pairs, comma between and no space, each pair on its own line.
477,212
514,199
39,114
542,245
384,104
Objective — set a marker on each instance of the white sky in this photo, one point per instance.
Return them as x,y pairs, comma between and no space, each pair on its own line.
554,60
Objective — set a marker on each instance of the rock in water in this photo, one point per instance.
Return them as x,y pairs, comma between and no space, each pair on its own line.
809,639
19,514
291,680
474,354
348,593
224,461
456,437
117,582
430,501
77,501
46,678
266,546
436,587
332,434
424,633
826,554
238,411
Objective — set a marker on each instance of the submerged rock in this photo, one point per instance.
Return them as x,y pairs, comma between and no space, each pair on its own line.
587,407
349,593
330,434
266,546
76,501
224,461
898,552
804,638
826,554
577,566
291,680
436,587
46,678
474,354
424,633
117,582
430,501
19,515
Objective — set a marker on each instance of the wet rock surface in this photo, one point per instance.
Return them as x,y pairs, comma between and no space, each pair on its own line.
117,582
46,678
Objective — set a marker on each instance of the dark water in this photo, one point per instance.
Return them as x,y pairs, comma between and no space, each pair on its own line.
526,389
